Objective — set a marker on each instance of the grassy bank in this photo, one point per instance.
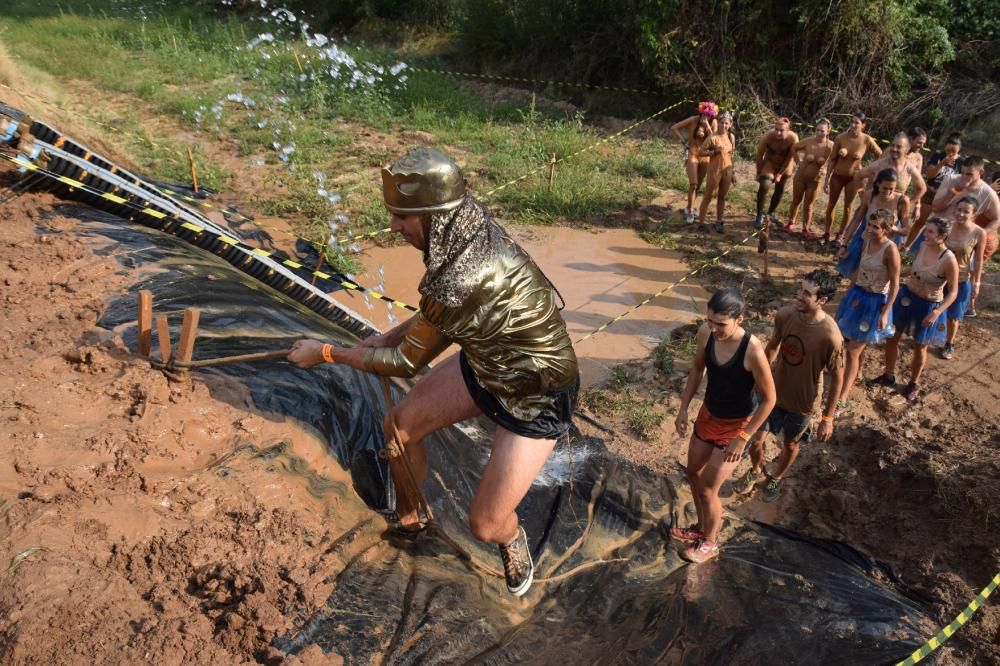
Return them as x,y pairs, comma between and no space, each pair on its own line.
311,115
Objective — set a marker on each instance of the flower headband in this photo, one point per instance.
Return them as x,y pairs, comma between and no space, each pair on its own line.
710,109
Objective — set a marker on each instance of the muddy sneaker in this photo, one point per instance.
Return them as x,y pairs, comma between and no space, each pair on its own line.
703,227
700,552
888,381
689,216
911,393
518,568
773,217
748,482
720,227
689,534
971,312
758,222
772,489
948,352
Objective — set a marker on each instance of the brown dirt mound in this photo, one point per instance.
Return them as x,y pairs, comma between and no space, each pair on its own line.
141,519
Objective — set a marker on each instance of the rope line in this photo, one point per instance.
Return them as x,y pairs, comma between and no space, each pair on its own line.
538,170
710,262
948,630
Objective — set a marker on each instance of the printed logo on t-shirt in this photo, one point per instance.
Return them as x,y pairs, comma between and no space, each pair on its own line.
793,351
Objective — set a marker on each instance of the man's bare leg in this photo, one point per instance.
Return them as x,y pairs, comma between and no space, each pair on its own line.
438,400
511,470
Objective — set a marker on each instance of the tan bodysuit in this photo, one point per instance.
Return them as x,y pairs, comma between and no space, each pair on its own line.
772,153
813,163
856,148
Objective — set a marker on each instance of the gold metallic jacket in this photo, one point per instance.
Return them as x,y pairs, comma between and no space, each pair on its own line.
513,336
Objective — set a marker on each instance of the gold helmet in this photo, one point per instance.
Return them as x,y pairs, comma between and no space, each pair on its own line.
421,182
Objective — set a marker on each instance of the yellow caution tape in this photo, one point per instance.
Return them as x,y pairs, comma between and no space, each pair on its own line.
190,226
667,288
545,166
935,642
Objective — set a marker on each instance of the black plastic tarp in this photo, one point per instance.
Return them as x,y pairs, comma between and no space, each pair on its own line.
771,597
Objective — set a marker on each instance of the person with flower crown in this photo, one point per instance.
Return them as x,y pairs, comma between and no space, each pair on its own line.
696,129
482,292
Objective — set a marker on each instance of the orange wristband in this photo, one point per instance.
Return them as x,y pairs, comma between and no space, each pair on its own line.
327,356
828,419
743,435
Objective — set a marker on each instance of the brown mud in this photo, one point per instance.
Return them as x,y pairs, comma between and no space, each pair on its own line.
600,273
141,519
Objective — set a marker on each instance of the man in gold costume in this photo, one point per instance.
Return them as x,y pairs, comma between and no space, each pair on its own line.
517,366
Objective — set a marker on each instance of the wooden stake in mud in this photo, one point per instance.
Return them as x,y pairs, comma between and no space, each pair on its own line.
189,331
298,62
552,170
176,50
194,174
322,258
163,334
144,338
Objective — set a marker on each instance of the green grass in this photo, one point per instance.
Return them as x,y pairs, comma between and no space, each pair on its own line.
180,62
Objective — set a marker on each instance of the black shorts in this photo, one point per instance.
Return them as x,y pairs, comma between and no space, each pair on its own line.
794,427
551,423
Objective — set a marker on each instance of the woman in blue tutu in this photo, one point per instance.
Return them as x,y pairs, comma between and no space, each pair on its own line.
865,312
968,242
921,308
883,194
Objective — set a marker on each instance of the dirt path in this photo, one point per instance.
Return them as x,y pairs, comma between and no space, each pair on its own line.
913,486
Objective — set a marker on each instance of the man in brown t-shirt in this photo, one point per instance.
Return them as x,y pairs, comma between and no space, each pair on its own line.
774,166
809,342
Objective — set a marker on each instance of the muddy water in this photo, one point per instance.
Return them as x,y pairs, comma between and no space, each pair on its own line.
600,274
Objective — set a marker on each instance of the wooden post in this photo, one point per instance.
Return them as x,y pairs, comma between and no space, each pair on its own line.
322,257
298,62
189,331
163,333
194,175
552,170
176,50
144,337
767,277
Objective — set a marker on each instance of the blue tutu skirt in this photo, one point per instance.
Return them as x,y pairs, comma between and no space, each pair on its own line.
908,314
956,311
858,316
848,266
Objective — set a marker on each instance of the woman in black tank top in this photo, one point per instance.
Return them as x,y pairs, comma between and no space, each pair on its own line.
737,371
730,391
